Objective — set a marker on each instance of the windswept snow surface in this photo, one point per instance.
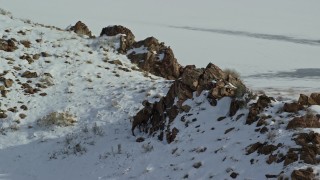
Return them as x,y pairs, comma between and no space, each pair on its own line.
250,36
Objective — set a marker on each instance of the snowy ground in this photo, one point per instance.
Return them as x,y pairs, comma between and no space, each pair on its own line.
250,36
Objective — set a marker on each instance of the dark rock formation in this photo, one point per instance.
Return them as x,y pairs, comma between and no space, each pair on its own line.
158,117
155,57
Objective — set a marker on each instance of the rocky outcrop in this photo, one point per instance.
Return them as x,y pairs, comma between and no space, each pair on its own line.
155,57
126,39
158,116
8,45
81,29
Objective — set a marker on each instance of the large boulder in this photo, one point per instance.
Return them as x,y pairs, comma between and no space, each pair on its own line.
81,29
154,57
126,39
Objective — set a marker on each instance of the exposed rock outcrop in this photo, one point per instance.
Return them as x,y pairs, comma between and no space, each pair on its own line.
81,29
155,57
193,81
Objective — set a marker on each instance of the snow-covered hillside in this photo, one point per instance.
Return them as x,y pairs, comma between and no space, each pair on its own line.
217,31
68,102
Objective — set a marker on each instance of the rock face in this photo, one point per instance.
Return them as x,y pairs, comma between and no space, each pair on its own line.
155,57
81,29
157,117
8,45
126,40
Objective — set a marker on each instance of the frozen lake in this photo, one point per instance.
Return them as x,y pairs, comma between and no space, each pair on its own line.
275,45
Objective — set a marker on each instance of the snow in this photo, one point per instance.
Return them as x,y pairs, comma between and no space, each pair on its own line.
213,30
104,98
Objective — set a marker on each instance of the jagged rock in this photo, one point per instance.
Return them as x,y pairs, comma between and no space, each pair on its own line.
193,80
126,40
304,122
155,57
303,174
292,107
8,45
81,29
314,99
29,74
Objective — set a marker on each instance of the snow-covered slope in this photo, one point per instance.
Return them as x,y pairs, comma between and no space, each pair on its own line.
217,29
89,82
